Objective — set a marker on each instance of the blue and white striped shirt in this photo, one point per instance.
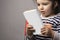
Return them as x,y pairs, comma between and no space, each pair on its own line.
54,20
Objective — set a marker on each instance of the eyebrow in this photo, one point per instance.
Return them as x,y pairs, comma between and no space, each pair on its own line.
42,2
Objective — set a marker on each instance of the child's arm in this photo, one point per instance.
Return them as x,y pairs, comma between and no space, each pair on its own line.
29,29
47,30
56,36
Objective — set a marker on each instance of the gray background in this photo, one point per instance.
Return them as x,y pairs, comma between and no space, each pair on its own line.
12,21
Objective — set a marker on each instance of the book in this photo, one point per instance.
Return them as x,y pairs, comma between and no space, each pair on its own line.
34,19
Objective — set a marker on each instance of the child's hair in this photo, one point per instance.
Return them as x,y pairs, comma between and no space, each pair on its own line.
57,9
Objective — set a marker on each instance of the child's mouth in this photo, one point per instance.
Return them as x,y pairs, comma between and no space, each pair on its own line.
42,12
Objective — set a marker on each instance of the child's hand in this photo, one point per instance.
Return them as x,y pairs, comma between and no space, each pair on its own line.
30,30
44,31
47,30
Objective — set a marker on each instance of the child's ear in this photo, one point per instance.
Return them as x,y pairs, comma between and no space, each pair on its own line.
55,4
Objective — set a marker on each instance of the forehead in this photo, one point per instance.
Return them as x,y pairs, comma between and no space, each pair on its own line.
39,1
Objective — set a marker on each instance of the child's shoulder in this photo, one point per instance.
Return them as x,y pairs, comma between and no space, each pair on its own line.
55,18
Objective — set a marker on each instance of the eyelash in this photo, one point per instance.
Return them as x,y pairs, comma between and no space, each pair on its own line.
39,4
44,4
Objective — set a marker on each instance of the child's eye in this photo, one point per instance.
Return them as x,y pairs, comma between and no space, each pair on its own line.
45,3
38,4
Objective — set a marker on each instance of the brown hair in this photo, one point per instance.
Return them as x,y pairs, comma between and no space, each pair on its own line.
57,9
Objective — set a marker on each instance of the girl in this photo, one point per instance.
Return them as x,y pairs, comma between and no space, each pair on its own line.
50,15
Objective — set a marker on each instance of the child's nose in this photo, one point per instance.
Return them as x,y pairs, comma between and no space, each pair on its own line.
41,7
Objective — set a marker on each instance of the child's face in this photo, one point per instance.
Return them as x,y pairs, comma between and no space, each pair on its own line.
45,7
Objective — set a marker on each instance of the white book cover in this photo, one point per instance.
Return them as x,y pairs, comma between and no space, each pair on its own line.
34,19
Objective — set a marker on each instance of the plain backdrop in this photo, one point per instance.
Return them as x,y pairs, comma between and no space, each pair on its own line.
12,21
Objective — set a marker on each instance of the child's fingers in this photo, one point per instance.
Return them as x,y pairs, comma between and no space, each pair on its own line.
44,31
48,25
29,27
31,30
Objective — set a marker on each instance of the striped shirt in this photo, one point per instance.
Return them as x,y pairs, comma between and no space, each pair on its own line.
54,20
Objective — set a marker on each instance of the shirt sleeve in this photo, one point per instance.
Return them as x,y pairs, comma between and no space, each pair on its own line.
50,21
54,21
56,36
26,23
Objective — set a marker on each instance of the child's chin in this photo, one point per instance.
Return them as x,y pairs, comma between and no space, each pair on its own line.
44,15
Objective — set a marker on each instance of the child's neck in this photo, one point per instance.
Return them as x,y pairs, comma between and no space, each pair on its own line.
50,15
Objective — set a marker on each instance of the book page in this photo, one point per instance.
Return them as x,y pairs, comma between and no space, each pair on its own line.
34,19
